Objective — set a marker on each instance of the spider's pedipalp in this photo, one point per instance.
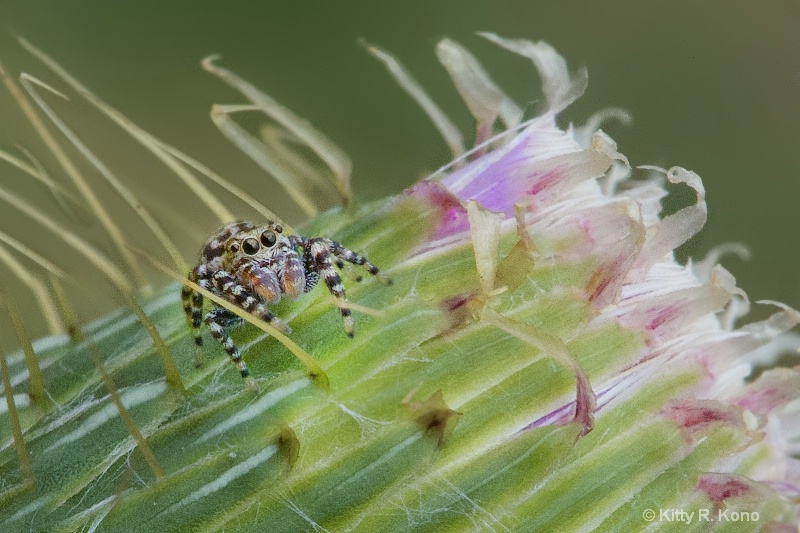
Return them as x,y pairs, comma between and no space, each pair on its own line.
262,280
293,274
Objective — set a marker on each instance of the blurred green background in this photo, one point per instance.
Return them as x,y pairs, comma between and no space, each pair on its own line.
712,85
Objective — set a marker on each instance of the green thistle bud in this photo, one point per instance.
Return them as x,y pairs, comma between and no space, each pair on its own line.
540,363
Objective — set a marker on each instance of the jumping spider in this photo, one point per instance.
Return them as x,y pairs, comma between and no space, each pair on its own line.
251,266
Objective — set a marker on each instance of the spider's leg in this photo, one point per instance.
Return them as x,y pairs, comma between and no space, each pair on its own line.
312,278
342,254
226,285
229,288
306,264
193,302
215,320
343,267
187,298
320,257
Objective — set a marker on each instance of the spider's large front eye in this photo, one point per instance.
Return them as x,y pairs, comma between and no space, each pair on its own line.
250,246
268,238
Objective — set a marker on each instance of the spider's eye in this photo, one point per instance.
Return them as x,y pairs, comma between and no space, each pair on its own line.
250,246
268,238
233,246
278,228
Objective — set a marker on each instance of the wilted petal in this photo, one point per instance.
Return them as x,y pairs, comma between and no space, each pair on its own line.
663,314
559,87
771,391
485,100
667,234
446,128
542,162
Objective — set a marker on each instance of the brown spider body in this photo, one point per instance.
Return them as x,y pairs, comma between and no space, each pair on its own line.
253,265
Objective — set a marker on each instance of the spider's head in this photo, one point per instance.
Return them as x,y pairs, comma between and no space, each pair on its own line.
259,242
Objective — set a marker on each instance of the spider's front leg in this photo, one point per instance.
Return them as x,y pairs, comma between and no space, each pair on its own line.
224,284
227,286
342,255
318,260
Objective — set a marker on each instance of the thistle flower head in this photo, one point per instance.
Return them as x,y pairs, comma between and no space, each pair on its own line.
540,363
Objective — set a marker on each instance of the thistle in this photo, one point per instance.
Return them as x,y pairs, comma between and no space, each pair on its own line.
541,362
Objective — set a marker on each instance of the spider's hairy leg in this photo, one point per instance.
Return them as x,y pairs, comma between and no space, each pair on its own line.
226,285
320,257
342,254
310,275
193,303
187,298
341,265
215,320
312,278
